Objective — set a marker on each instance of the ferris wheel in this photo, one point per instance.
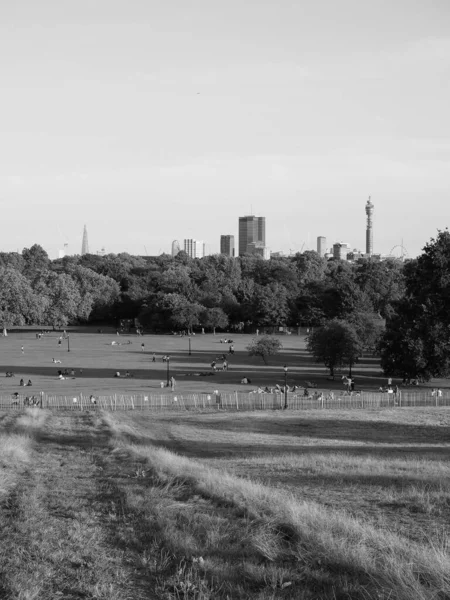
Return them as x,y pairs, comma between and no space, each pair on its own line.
399,251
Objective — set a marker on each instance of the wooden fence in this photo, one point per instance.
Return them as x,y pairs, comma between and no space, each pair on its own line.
231,401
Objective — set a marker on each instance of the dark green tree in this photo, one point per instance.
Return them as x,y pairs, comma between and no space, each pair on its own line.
336,344
417,338
213,318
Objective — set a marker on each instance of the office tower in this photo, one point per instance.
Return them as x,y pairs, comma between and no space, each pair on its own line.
227,245
321,245
258,249
251,230
85,243
340,250
369,230
194,248
175,248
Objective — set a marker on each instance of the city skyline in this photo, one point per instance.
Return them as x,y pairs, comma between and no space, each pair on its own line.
169,121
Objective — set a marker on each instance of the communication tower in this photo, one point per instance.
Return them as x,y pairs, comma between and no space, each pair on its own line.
369,230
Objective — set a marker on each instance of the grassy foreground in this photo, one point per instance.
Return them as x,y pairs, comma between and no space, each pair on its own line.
308,505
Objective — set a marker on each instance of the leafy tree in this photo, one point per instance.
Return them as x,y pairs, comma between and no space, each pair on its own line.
19,304
369,327
62,298
336,344
264,346
173,310
12,259
214,317
35,260
270,305
97,292
383,282
310,266
417,338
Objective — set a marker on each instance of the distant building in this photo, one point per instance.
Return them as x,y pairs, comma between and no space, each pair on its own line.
101,252
63,253
175,248
227,245
251,230
340,250
258,249
194,248
321,245
85,243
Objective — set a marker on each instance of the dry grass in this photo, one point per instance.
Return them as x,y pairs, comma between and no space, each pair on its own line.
16,443
349,504
284,526
57,522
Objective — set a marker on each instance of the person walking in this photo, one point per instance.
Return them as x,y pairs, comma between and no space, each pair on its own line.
142,347
225,364
154,357
172,383
23,351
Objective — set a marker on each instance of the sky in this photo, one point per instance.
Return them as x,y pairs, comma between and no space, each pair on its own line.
151,121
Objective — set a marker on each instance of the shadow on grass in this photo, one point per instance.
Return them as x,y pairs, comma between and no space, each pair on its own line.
210,450
380,432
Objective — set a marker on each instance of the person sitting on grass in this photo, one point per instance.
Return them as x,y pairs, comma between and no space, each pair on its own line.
246,380
22,382
29,383
117,374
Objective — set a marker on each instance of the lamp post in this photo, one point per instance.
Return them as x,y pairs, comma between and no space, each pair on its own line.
168,370
189,345
68,343
285,369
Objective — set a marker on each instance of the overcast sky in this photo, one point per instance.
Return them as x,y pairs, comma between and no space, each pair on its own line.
155,120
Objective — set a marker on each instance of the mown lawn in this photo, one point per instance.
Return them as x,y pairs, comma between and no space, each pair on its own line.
95,360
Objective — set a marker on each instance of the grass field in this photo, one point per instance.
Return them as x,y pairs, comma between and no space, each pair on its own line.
310,505
333,505
98,360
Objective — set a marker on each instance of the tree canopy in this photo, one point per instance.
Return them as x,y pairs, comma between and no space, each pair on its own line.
264,346
416,342
336,344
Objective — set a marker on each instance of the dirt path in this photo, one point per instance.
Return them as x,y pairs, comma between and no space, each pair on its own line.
60,527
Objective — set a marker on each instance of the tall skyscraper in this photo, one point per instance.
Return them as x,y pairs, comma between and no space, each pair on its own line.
85,243
227,245
321,245
175,248
194,248
251,230
369,231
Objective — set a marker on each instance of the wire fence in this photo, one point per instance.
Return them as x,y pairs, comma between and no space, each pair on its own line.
233,401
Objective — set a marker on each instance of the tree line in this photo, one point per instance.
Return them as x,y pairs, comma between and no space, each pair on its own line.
397,309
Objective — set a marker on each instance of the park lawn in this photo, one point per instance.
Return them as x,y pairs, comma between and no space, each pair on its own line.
95,361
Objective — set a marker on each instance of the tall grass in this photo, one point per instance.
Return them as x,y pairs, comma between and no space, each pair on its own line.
16,443
314,535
